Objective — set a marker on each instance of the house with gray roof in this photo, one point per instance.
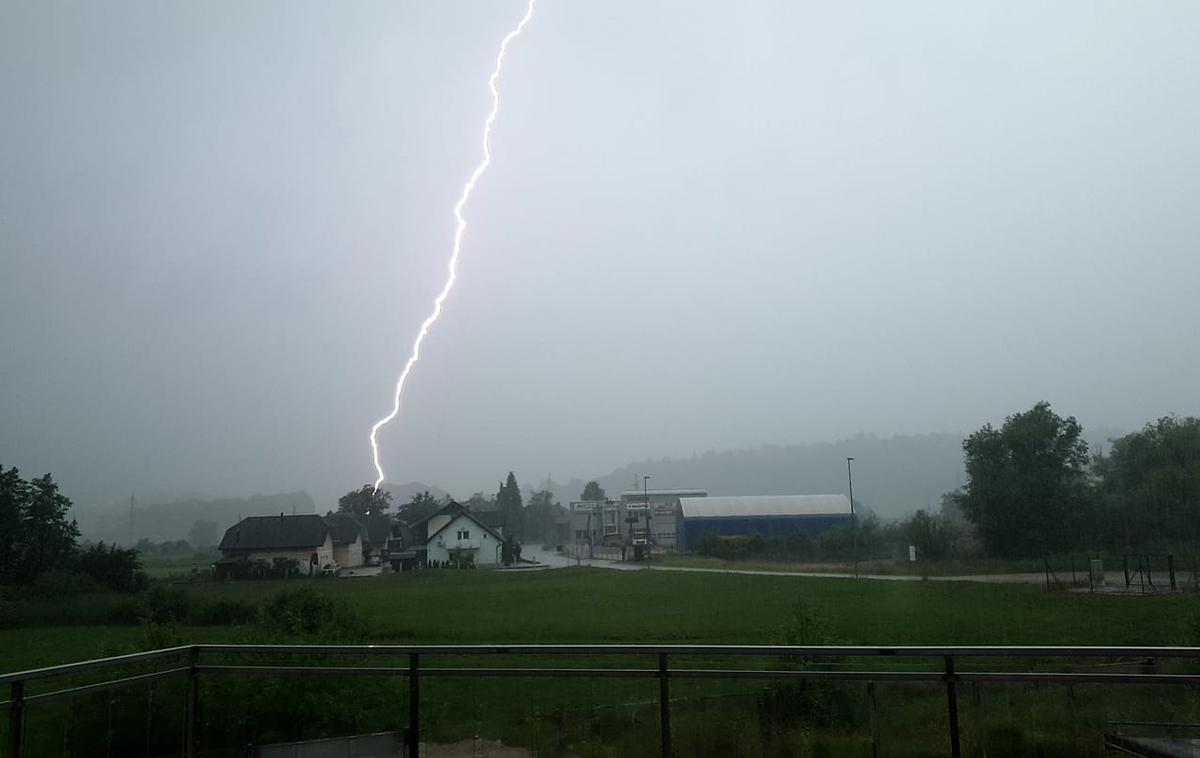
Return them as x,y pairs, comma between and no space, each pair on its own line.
305,544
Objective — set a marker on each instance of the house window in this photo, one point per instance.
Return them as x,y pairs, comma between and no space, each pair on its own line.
464,534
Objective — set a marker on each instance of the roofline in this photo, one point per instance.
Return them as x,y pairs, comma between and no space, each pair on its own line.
465,512
328,537
415,524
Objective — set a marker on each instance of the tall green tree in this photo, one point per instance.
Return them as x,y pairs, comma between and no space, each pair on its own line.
511,505
49,537
541,516
366,501
1150,486
1027,484
420,507
14,495
37,535
592,491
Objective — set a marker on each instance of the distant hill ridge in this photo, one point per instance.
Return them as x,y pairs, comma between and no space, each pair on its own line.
893,475
160,522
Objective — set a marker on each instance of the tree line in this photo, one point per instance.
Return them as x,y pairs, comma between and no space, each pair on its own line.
532,521
38,539
1034,487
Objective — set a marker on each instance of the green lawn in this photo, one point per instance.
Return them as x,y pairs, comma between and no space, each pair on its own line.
619,718
597,605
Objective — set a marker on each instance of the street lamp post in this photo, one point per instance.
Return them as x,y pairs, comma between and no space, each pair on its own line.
646,497
853,519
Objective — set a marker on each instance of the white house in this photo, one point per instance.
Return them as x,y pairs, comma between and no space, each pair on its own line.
461,538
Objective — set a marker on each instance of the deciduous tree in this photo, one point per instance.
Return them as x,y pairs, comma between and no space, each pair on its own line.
1150,485
420,507
1026,483
365,501
592,491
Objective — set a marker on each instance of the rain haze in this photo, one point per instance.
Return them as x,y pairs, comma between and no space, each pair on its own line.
705,227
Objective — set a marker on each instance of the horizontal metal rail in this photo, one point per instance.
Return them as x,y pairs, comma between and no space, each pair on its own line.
786,662
812,651
115,661
111,684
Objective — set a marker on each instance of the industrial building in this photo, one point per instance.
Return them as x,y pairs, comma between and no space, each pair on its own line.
768,515
640,518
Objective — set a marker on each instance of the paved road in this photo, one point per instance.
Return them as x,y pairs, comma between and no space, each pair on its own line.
555,560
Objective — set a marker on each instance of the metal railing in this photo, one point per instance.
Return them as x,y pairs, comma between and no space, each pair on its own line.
189,661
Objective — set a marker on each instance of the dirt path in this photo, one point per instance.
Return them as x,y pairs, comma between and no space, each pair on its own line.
554,560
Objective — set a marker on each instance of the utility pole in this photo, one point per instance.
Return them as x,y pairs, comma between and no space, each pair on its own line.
131,502
853,518
646,497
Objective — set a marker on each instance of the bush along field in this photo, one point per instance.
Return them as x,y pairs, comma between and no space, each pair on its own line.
595,717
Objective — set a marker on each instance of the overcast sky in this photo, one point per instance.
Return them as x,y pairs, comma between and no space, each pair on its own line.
707,225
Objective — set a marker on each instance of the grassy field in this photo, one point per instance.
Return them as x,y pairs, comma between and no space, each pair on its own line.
596,605
178,566
619,718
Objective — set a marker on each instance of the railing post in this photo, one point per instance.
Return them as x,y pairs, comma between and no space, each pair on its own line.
664,705
873,709
952,708
977,707
190,734
16,718
414,705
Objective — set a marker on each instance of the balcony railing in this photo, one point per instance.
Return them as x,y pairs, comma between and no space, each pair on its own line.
1030,664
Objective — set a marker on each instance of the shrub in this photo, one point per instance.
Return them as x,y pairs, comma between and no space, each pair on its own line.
308,612
808,703
166,605
62,584
112,566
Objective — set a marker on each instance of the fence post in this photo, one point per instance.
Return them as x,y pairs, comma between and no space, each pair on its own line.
190,733
1171,569
414,705
1125,565
977,706
952,708
873,709
664,705
16,718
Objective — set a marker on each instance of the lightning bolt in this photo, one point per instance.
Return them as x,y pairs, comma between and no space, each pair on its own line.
459,229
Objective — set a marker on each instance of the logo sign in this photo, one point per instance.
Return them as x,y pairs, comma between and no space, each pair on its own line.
637,506
583,507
